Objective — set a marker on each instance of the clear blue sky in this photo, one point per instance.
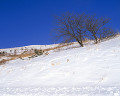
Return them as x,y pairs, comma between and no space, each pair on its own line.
29,22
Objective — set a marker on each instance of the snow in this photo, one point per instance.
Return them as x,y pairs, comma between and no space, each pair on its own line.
20,50
93,70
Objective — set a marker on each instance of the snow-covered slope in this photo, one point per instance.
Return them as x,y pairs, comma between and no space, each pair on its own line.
93,70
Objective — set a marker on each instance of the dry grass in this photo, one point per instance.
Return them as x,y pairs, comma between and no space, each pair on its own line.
58,47
6,60
13,57
31,53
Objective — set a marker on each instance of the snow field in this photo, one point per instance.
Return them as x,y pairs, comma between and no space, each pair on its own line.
93,70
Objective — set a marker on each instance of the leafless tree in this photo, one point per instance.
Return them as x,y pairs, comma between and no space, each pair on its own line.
95,26
107,33
71,27
77,27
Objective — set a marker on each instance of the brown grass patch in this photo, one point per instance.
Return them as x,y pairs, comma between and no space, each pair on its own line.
31,53
6,60
58,47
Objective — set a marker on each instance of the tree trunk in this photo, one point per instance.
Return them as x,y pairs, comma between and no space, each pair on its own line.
81,44
96,39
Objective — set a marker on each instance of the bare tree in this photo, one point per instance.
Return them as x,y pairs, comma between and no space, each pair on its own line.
77,27
71,27
95,26
107,33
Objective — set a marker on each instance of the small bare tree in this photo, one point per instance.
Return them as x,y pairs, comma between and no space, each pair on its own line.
107,33
95,26
71,28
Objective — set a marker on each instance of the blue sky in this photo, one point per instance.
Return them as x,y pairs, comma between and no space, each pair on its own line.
30,22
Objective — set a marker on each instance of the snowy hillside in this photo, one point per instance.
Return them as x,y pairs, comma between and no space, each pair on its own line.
93,70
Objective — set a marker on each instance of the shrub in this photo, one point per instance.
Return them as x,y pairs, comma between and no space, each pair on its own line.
3,53
38,52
